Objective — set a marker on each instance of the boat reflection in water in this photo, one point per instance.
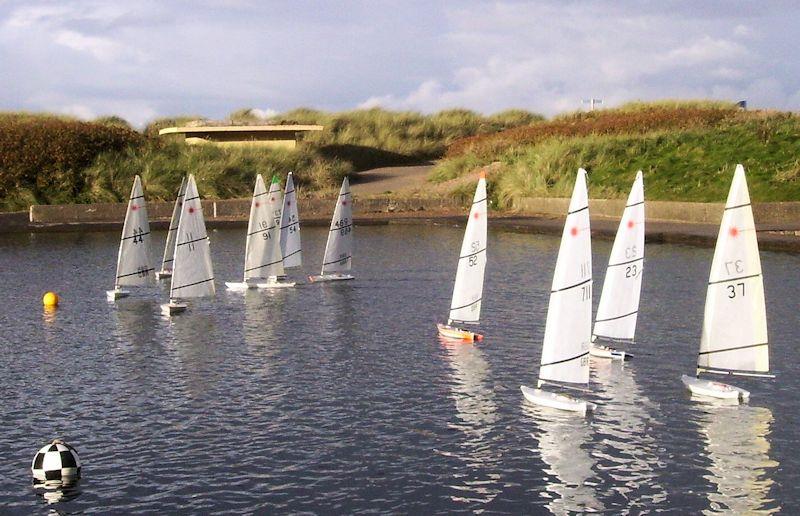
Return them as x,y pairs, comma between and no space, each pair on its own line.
260,320
58,491
625,444
563,438
192,339
136,324
479,482
736,442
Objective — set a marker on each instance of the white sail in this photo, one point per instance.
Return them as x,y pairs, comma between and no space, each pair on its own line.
133,261
192,273
619,301
339,249
274,257
468,289
565,352
735,323
260,234
169,247
291,248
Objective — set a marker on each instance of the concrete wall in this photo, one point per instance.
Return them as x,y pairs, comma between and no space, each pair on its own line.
766,213
230,209
778,215
13,222
107,212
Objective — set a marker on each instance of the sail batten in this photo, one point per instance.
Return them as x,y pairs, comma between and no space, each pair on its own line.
133,260
567,332
465,305
339,248
735,324
193,274
619,301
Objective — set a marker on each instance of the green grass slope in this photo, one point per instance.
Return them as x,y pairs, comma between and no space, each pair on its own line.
49,159
686,152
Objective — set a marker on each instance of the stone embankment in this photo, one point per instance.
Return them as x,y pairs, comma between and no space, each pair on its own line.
393,196
676,222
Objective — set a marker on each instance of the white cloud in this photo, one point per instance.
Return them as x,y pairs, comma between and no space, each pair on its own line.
158,58
78,110
742,31
264,113
584,50
102,49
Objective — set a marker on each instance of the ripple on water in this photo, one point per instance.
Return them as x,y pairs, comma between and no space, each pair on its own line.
339,398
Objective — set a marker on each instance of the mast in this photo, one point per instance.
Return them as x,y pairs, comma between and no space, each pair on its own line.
619,300
169,247
339,248
734,335
133,259
465,306
193,274
260,232
291,246
565,351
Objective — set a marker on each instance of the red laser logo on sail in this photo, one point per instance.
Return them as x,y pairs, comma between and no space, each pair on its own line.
630,224
734,231
573,231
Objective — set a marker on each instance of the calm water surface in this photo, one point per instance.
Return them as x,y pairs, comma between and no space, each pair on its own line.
340,398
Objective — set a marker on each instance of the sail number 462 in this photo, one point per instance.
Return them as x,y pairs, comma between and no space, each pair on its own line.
343,225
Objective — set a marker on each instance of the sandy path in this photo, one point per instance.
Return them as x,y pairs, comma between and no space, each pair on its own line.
390,179
410,180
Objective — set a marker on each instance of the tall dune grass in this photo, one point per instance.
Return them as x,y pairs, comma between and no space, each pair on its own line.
690,165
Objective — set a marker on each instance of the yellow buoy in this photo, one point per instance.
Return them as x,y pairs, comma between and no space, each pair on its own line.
50,299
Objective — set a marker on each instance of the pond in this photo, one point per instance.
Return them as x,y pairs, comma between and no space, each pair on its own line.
340,398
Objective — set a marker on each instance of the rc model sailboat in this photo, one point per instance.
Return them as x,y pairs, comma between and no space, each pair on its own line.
465,306
734,339
133,260
565,350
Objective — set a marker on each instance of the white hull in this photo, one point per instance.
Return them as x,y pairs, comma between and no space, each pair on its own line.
712,389
599,351
454,333
556,401
163,274
330,277
239,286
173,308
275,283
113,295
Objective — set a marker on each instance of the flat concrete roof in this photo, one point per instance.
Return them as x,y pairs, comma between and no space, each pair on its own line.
239,129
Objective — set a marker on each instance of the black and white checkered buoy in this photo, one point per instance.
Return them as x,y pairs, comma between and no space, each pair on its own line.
56,462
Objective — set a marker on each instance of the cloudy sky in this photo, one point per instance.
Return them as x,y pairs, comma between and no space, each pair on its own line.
145,59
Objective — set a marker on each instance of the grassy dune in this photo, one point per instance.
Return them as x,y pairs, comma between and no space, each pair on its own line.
687,152
52,159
